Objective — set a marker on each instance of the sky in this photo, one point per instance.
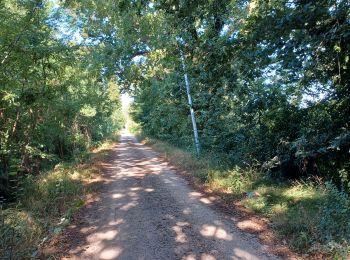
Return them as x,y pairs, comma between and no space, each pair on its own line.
65,30
126,101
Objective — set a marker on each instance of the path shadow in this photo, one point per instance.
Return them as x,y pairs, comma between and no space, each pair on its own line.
145,211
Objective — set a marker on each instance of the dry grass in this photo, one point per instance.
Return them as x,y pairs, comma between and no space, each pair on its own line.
47,204
292,208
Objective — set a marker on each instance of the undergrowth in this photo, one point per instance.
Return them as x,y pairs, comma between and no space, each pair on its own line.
312,215
46,205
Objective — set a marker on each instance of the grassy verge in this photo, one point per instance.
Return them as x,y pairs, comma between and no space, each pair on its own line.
313,217
47,204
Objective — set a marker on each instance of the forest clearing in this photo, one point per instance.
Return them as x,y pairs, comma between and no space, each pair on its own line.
171,129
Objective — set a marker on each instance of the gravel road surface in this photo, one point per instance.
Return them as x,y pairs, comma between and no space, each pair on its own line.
146,211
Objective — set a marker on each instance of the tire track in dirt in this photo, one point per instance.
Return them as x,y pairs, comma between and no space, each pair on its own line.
144,210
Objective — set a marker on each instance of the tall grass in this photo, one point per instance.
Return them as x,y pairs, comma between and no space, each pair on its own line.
313,216
46,205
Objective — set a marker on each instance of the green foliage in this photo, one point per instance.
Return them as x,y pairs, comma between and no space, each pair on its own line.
312,216
19,234
55,100
45,200
269,80
334,225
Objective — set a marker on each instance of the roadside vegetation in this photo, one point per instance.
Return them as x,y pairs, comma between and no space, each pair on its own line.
311,215
56,105
270,86
47,203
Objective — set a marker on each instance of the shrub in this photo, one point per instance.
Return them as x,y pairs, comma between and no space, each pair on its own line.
333,229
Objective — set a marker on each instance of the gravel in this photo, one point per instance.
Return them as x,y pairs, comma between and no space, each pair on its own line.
144,210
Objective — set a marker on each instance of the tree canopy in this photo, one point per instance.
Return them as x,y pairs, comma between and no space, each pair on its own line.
54,100
270,79
270,85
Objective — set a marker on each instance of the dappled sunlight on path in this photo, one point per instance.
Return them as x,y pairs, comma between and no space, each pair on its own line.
145,211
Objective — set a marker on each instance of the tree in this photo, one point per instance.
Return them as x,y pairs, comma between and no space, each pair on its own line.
55,101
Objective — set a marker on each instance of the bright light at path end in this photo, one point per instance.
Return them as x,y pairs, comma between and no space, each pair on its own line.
126,101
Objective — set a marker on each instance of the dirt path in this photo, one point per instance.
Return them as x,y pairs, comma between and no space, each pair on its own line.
146,211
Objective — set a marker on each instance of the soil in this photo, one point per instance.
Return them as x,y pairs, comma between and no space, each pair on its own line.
144,209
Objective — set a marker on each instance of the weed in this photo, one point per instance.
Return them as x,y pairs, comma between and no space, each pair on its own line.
46,206
333,228
312,216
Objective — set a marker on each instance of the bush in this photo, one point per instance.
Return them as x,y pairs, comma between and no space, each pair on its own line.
45,200
333,230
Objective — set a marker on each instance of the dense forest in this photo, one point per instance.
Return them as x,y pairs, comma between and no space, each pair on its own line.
269,80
